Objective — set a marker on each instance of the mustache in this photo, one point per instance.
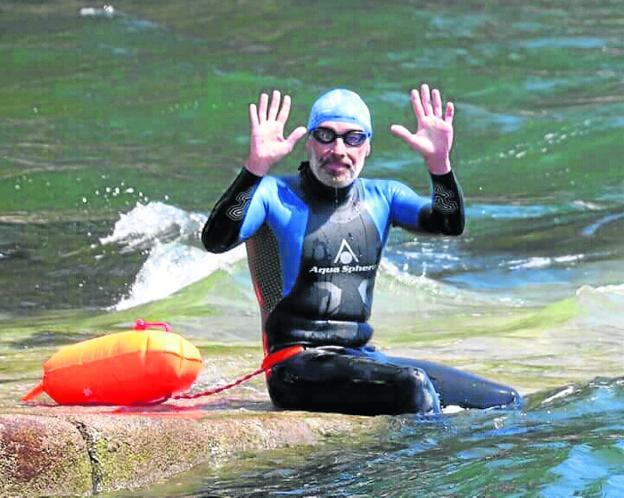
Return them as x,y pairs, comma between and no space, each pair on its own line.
333,158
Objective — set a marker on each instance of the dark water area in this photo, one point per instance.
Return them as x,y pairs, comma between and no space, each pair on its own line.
121,126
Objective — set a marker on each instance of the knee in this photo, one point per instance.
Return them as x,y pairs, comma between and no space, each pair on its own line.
284,389
506,398
418,394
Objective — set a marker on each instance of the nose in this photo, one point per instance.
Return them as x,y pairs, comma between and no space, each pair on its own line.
339,147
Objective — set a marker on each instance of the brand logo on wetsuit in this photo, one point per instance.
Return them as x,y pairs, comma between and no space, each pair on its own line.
346,256
236,212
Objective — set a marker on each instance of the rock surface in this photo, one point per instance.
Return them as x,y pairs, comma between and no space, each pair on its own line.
51,450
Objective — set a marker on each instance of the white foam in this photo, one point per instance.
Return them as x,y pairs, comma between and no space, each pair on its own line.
170,235
544,262
171,267
107,11
146,223
602,307
407,278
614,290
560,394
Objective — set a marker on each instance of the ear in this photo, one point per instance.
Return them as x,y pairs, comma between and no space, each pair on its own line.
369,149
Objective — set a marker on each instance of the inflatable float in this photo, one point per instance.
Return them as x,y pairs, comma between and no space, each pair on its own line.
141,366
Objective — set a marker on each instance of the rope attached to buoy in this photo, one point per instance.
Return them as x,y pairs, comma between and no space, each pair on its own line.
268,362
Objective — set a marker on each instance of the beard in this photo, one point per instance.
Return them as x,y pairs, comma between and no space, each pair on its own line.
334,171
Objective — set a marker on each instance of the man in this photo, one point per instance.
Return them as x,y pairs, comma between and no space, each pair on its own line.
314,243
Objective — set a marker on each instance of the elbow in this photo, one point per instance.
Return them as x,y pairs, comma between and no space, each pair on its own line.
212,243
214,248
454,231
452,227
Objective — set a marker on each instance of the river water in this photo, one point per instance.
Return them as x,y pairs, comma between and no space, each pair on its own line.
120,126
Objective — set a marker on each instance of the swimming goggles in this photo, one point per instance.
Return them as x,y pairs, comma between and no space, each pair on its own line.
353,138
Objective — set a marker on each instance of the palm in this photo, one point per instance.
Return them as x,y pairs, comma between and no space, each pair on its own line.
433,137
267,145
268,142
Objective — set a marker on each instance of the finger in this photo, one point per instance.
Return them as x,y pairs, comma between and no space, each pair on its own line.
417,105
262,107
410,139
282,117
449,113
426,99
401,132
296,135
253,116
437,102
275,103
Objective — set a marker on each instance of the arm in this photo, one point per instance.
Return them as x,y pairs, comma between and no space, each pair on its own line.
267,147
444,213
222,230
433,140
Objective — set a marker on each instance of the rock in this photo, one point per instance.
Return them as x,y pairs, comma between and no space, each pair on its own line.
84,451
42,456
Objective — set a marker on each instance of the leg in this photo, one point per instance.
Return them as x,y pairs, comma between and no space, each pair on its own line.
330,380
462,388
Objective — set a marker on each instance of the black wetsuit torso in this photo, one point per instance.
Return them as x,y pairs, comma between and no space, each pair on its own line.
331,300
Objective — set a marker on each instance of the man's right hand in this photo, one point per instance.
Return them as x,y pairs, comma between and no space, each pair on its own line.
267,144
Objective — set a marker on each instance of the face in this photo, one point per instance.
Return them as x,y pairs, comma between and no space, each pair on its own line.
336,164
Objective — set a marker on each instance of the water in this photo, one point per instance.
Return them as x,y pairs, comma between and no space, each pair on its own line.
119,128
567,442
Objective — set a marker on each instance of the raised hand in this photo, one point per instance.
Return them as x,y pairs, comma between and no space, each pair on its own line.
267,144
433,138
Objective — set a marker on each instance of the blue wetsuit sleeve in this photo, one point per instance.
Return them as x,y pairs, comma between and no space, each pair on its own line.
224,227
444,213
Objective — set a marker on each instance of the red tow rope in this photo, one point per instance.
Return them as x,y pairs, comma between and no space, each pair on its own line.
268,362
141,324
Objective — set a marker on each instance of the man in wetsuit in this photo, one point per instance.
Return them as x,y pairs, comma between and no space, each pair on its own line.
314,243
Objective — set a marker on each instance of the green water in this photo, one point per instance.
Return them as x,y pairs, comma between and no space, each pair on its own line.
118,133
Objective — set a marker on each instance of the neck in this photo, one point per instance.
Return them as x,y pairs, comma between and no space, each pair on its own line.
313,187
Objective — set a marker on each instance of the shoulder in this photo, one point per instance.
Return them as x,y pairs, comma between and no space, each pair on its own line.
275,182
270,185
383,187
278,189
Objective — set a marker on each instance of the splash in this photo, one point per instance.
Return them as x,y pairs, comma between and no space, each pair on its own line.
170,237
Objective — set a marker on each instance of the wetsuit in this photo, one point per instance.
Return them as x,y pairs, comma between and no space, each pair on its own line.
313,253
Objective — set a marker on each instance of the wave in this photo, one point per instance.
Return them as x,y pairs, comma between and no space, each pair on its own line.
601,308
170,237
594,227
545,262
422,269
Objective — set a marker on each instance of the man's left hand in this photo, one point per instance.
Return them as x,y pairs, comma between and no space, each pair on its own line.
433,138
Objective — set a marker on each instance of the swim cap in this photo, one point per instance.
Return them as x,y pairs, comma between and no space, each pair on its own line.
340,105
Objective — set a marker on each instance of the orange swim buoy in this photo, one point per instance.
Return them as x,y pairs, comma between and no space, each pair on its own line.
125,368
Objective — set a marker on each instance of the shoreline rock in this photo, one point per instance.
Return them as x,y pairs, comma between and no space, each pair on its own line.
89,450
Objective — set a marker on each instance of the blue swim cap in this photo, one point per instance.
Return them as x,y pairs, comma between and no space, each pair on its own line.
343,106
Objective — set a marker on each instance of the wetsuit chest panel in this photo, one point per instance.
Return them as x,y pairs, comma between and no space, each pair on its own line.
340,254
